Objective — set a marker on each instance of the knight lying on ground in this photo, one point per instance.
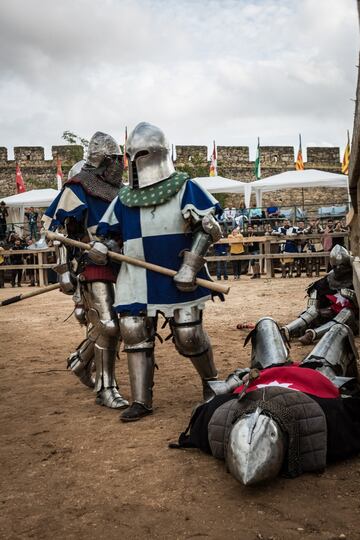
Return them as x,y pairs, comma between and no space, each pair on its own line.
331,300
76,213
278,417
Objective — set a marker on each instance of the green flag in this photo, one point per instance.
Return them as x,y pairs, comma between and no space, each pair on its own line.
257,168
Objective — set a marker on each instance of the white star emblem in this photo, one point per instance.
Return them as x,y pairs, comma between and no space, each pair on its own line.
276,383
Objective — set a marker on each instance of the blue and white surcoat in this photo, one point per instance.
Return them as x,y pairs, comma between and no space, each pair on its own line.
157,234
73,201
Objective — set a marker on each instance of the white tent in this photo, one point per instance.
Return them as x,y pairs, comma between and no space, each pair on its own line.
219,184
37,198
307,178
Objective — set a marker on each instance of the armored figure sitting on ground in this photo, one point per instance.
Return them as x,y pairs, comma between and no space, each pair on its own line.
75,213
332,300
282,418
165,218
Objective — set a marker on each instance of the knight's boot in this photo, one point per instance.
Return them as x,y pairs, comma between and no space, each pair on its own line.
192,341
81,362
335,356
106,385
345,316
298,327
141,371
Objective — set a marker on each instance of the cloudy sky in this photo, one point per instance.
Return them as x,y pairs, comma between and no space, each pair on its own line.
231,70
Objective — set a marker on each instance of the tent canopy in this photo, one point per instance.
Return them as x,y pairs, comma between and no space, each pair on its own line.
298,179
219,184
39,198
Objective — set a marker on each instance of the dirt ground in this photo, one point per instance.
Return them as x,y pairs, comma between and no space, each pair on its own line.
71,470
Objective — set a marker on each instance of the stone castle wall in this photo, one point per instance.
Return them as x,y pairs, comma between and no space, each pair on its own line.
233,162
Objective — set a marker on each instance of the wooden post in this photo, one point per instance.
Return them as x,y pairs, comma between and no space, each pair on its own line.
267,260
41,270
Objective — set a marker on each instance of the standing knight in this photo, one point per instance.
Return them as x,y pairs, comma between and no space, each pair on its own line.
75,212
332,300
163,217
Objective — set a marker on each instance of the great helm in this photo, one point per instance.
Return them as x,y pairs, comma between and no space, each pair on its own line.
101,145
149,154
76,168
339,256
256,448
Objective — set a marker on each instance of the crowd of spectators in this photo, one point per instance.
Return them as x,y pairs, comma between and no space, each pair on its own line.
14,243
243,223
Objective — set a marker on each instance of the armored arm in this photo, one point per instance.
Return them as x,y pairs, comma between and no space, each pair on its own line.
67,278
206,231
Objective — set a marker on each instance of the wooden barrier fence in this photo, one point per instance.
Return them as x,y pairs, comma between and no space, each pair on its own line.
264,242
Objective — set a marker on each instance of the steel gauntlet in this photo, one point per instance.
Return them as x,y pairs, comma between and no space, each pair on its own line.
186,276
67,281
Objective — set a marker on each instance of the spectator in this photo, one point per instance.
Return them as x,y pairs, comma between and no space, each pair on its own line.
255,214
3,215
236,241
272,211
30,259
32,218
290,246
254,249
2,261
221,250
16,275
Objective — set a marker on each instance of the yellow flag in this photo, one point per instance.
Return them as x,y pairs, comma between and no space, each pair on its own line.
346,158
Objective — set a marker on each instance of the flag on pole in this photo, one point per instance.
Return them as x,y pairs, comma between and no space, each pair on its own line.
213,164
299,163
20,184
257,167
173,156
126,164
346,158
59,174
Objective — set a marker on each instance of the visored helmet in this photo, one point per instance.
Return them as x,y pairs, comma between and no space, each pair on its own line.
148,152
256,448
75,169
101,146
339,256
268,345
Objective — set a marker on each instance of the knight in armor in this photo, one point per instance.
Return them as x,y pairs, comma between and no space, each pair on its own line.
331,300
278,417
76,212
163,217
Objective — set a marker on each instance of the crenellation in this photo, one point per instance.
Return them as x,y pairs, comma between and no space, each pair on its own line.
318,154
232,154
3,153
277,155
186,154
29,153
68,153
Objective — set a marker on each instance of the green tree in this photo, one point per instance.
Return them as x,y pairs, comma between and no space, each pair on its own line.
72,138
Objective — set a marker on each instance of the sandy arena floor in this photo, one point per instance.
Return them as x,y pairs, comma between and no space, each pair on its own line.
71,470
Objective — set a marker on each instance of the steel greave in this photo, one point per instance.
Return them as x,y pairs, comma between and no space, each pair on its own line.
141,371
81,362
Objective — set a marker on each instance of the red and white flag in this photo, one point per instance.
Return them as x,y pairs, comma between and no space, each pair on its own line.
20,184
59,174
213,164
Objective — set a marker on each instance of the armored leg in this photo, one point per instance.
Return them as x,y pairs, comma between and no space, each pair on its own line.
345,316
192,341
99,298
335,356
138,334
81,362
301,324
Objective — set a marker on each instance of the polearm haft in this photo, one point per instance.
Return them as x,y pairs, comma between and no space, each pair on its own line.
23,296
216,287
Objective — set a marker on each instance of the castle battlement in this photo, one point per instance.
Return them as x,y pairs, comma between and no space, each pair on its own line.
233,162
